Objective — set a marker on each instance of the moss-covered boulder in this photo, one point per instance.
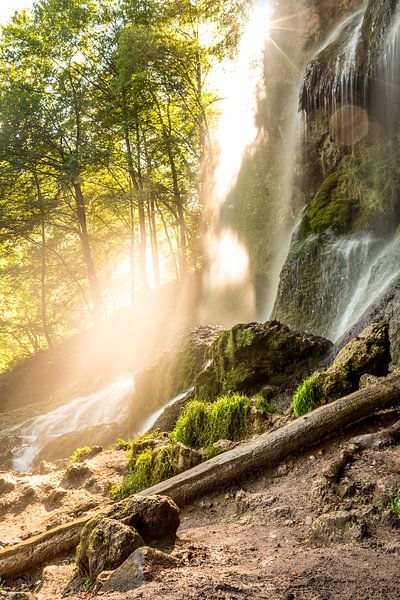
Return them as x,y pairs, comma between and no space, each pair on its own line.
249,357
367,353
106,546
169,375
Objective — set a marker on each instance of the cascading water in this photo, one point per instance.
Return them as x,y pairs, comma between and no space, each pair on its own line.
344,255
104,406
150,423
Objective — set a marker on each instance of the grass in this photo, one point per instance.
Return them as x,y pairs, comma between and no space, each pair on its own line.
394,505
149,467
265,407
307,397
202,424
80,454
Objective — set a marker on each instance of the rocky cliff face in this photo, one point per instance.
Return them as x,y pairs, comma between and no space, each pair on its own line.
345,251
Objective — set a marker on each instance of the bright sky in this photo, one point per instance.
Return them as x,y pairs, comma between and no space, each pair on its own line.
8,8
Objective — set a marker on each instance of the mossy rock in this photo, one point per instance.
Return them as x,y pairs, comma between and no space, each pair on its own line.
248,357
367,353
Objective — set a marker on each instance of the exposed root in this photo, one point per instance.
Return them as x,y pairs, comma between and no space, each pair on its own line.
381,439
335,468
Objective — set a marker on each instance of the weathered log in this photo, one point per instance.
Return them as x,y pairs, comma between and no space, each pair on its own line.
38,550
264,451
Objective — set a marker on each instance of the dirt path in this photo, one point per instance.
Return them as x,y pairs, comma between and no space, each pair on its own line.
265,540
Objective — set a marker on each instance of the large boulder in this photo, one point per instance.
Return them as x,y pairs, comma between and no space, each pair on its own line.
368,353
155,517
170,375
249,357
106,546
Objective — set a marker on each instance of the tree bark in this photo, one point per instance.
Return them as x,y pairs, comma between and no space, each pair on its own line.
43,264
87,253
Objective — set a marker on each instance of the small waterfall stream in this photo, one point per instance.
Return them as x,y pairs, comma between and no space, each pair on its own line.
103,406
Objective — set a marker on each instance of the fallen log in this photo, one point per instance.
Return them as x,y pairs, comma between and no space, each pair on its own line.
270,448
265,451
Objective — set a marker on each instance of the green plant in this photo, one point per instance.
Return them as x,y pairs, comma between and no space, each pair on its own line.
307,397
80,454
394,505
264,406
202,424
149,467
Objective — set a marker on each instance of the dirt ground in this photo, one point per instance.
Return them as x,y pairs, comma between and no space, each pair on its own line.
282,535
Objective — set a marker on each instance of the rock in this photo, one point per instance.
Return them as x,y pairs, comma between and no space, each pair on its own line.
105,546
249,357
368,353
143,565
172,374
45,467
187,458
338,527
64,445
102,578
7,484
384,491
56,580
246,502
56,497
75,475
224,446
154,517
367,380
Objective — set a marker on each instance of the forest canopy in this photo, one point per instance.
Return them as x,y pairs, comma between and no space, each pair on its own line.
106,116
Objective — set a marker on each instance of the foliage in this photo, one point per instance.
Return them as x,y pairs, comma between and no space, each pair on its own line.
149,467
80,454
264,406
105,110
307,397
202,424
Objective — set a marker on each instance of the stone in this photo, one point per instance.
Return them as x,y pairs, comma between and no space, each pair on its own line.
249,357
367,380
187,458
169,376
7,484
154,517
75,475
338,527
56,496
143,565
224,446
105,546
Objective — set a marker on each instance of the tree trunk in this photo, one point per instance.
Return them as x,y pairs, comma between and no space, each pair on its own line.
43,265
154,242
139,193
87,253
179,206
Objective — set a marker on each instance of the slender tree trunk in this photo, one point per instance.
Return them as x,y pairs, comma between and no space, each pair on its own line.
87,253
132,240
43,265
154,242
176,267
179,206
140,199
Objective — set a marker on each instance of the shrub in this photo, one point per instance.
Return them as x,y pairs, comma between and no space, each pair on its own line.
80,454
307,397
394,505
202,424
264,406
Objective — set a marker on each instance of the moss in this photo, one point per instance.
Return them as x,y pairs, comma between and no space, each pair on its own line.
149,467
264,406
202,424
308,396
80,454
394,505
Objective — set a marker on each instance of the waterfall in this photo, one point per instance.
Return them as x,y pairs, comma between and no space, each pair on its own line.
150,423
373,280
103,406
